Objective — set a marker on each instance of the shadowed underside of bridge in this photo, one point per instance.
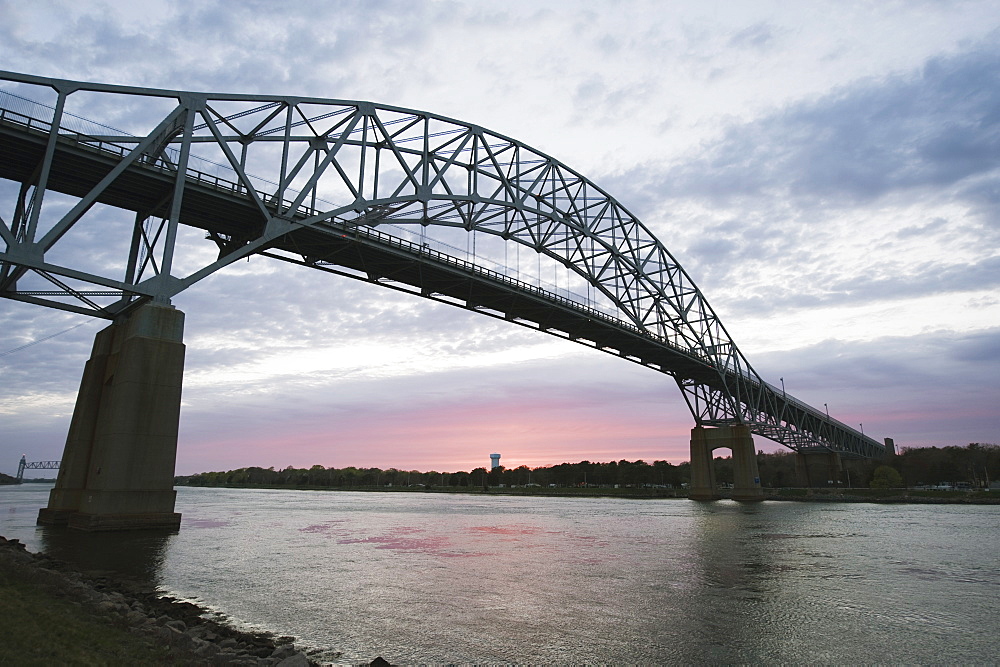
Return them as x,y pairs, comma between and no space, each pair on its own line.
197,163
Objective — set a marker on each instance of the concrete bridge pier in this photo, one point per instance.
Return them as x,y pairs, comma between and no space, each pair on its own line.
831,468
117,470
834,468
746,478
802,470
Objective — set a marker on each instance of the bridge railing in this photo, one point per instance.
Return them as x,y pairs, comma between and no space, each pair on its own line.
520,285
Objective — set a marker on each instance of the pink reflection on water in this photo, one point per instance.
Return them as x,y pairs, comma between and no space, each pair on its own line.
506,530
435,546
401,539
327,528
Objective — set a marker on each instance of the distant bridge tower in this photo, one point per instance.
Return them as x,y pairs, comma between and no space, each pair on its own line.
494,461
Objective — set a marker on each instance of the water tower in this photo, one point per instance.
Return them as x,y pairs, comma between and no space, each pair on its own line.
494,461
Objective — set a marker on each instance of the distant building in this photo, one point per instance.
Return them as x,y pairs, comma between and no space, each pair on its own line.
494,461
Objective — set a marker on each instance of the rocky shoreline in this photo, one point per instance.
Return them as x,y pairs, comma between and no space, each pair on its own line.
191,634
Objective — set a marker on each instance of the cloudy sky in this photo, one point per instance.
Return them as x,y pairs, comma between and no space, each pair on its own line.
827,172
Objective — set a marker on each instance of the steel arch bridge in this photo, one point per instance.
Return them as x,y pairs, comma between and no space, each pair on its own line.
353,188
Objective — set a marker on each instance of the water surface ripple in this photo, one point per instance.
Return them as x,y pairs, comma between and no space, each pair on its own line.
434,578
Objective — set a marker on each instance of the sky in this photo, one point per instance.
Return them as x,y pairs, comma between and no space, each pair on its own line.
827,172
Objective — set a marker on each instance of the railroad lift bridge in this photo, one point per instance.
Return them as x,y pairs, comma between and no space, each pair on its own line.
25,464
372,192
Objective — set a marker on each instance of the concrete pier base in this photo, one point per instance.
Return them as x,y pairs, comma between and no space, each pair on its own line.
117,470
819,469
746,478
703,485
802,470
834,468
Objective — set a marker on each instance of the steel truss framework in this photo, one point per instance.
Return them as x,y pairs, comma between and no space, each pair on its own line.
279,161
34,465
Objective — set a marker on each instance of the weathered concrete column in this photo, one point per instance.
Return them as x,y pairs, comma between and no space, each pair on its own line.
825,467
802,470
890,448
117,470
702,471
65,498
835,468
746,478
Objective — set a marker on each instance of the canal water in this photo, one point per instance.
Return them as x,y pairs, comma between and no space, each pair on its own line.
434,578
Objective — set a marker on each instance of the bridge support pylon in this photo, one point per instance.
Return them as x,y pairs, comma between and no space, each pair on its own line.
746,478
802,470
117,469
831,469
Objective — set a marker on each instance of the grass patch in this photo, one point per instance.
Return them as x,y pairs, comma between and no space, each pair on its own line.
42,627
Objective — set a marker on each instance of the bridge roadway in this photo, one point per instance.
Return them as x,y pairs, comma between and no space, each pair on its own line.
226,212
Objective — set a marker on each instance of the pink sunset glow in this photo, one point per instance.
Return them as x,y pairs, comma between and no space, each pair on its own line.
447,439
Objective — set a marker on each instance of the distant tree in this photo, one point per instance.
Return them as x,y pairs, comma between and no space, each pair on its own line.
496,476
477,477
520,475
724,469
886,477
317,476
349,476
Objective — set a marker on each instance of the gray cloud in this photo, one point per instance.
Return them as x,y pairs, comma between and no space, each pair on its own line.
938,388
925,280
775,196
934,128
758,37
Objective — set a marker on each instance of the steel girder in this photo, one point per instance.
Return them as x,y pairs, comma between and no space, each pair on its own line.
295,177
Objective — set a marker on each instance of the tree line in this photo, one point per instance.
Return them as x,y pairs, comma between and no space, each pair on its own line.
975,465
584,473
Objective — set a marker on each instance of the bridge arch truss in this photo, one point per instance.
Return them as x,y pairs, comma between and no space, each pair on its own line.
312,181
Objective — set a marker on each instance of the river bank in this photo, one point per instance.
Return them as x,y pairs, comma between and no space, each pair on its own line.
54,614
894,496
889,496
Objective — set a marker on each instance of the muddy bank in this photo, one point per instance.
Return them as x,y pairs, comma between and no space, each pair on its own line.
191,634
